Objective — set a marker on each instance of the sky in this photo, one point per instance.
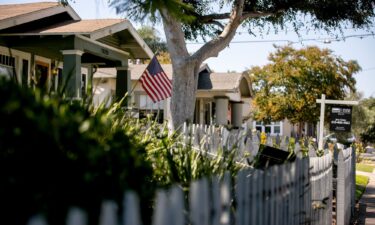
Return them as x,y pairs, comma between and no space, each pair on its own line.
246,51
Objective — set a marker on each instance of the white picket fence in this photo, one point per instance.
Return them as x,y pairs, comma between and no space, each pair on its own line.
211,138
345,191
293,193
321,189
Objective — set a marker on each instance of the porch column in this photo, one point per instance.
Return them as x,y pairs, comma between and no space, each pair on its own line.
90,74
237,115
123,83
221,111
201,111
72,73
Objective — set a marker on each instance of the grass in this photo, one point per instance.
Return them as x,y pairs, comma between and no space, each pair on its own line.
360,185
364,167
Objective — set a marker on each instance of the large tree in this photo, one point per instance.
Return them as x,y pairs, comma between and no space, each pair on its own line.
289,85
217,22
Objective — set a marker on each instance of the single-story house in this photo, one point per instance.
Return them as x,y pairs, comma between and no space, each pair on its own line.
45,45
221,98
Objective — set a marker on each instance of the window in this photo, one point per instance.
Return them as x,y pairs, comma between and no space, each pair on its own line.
7,65
274,128
145,102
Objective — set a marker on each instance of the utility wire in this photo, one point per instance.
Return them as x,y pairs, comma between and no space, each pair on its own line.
323,40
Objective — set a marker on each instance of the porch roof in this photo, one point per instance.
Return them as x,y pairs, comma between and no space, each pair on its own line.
17,14
50,19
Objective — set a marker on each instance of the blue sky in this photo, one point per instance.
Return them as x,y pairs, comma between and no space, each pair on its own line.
241,56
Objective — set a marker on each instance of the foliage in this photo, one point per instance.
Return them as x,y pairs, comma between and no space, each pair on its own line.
360,186
289,86
175,160
55,154
359,149
151,36
364,168
368,134
205,18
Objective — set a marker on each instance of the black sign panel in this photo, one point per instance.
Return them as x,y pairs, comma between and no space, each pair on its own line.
269,156
341,118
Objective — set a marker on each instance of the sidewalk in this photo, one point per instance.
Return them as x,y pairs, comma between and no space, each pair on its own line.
368,200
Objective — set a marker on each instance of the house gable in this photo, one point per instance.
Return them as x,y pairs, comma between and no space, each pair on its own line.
22,17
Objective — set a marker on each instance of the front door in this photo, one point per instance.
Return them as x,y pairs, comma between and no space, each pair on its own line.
41,75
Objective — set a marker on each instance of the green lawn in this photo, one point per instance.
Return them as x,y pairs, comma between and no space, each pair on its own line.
360,185
364,167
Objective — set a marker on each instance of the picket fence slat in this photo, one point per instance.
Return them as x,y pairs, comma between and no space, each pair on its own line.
108,215
76,216
131,215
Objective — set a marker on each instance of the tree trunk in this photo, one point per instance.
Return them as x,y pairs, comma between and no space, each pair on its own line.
186,66
183,97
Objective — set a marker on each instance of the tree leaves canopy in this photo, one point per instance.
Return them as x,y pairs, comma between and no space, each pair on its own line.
207,17
289,86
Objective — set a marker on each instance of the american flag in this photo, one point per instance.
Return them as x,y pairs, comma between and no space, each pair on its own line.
155,82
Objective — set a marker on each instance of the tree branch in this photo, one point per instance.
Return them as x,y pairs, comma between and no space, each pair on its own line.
223,16
175,38
247,15
213,47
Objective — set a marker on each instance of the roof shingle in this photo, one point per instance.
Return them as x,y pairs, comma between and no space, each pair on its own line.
82,26
14,10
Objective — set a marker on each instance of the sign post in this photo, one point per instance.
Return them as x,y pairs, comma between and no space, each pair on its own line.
340,121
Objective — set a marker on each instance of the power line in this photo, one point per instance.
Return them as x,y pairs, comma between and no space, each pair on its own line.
368,69
323,40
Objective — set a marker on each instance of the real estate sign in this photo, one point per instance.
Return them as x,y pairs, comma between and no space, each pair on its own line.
341,118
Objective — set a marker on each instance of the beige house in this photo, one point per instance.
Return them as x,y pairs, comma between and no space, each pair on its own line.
222,98
47,45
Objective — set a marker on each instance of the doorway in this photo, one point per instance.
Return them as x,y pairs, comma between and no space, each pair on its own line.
41,75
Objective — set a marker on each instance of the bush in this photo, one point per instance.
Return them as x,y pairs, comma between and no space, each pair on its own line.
55,154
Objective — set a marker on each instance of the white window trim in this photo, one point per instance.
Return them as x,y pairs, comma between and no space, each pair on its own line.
19,56
272,125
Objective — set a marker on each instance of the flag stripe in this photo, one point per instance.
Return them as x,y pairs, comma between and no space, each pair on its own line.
155,86
149,92
148,89
162,86
158,86
166,82
155,82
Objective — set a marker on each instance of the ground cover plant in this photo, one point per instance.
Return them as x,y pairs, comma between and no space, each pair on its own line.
360,186
364,167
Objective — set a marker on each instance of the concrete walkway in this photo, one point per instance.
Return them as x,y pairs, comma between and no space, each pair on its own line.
368,199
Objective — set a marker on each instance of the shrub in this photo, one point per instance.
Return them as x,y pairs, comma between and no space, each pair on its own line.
55,154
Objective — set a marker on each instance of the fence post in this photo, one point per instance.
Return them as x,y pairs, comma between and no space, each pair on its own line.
108,214
353,167
199,207
76,216
131,209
